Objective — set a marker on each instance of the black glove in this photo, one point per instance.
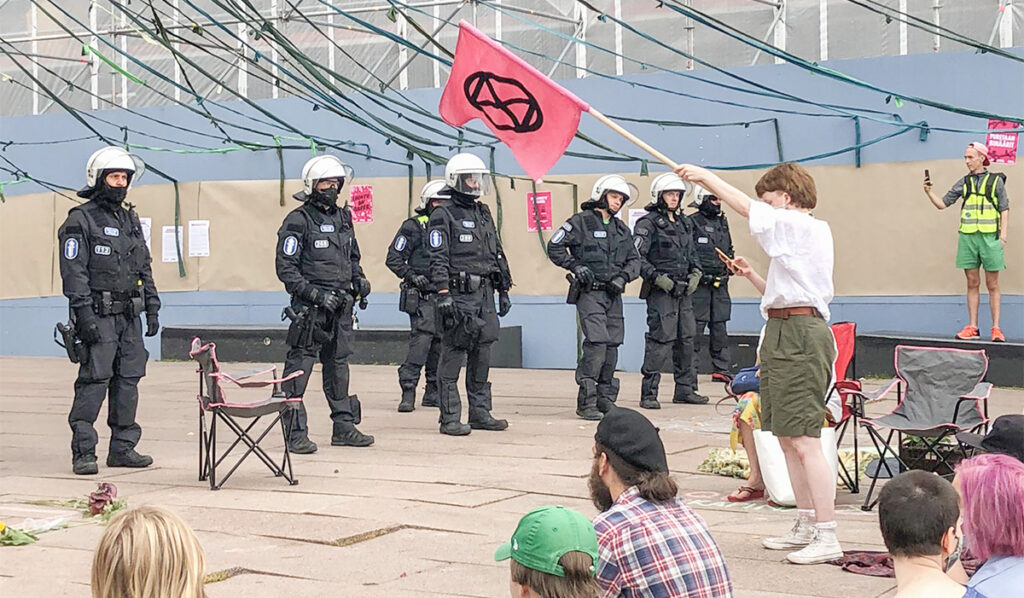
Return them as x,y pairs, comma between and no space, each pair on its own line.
330,301
152,323
617,285
584,274
504,304
87,325
419,281
361,286
445,306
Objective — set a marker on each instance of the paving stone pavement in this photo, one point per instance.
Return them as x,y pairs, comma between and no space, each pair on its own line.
418,514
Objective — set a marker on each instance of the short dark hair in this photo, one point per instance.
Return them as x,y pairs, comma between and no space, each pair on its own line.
578,581
915,510
793,179
655,486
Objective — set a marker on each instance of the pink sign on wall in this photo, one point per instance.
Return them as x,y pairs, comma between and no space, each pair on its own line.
360,202
1002,147
538,207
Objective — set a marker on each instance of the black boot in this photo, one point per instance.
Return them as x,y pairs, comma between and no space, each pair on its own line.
408,402
451,410
690,398
128,458
346,434
649,403
455,429
302,446
430,396
480,419
85,465
586,402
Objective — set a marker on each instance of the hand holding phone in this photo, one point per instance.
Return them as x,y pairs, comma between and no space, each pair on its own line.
927,179
728,261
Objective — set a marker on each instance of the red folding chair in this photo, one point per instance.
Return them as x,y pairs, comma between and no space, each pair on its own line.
848,389
212,400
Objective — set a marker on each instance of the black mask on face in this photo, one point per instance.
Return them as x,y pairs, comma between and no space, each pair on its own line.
327,197
709,209
111,197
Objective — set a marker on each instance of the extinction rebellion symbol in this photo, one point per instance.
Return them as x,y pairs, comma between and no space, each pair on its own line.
504,102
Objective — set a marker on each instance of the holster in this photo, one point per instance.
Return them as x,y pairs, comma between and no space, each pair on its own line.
463,332
409,299
575,290
65,337
297,329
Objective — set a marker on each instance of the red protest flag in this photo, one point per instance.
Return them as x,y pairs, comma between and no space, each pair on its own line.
535,117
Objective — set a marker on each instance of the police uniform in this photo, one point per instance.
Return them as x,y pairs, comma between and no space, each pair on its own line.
105,267
317,254
712,305
666,248
409,259
606,248
467,261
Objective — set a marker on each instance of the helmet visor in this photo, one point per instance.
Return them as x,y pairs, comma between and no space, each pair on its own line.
475,184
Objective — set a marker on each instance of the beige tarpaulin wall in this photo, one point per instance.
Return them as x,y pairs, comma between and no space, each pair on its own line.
889,239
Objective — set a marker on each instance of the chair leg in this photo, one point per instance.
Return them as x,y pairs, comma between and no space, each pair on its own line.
883,450
253,447
856,458
286,461
211,453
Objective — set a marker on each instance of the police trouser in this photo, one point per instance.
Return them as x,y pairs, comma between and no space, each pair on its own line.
670,331
424,349
333,353
600,315
479,304
712,308
115,365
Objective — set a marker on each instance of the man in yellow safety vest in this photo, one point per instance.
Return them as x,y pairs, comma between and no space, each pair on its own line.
984,215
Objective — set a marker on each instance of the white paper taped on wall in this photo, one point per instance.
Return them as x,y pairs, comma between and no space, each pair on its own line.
169,250
147,232
199,238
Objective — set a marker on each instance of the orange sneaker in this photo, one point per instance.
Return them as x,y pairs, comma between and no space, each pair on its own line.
997,335
968,333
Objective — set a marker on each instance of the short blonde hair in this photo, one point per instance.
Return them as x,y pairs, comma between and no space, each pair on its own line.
148,552
793,179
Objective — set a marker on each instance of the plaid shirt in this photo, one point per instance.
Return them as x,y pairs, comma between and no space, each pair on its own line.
656,550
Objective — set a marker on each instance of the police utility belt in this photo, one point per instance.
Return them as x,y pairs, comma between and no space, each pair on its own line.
713,281
464,282
112,303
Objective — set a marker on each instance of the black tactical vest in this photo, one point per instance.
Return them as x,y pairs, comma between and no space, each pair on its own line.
118,248
709,233
604,248
326,258
473,240
670,244
419,257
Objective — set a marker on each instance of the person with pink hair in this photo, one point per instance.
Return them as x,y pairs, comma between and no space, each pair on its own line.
991,490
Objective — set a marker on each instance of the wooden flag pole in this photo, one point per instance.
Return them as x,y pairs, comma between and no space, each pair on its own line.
639,142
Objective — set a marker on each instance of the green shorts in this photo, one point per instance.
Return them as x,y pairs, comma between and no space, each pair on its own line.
985,250
796,368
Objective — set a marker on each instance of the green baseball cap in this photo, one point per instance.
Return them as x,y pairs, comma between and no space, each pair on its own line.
545,534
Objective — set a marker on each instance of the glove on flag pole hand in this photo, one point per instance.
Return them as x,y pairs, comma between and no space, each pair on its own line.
531,114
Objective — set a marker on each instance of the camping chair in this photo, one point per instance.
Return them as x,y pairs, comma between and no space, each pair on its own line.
213,401
849,390
944,395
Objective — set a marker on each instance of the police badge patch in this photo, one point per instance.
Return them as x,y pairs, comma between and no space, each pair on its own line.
327,228
291,245
110,231
101,250
321,244
436,239
400,242
559,236
71,249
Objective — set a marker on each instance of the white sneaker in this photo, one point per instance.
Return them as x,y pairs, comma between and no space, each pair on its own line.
825,547
801,535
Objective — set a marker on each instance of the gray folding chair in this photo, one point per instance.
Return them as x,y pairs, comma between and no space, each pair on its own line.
940,393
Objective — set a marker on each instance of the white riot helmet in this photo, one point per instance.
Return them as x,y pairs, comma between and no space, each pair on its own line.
112,158
324,167
700,194
463,168
612,182
430,192
668,181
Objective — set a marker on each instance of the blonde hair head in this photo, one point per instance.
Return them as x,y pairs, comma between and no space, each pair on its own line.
148,552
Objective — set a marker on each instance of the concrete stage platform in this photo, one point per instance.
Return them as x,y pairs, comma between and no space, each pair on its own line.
416,515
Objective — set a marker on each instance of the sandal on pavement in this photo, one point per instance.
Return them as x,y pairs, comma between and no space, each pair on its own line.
745,493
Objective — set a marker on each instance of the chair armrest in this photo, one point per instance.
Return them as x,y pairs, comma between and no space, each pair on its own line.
244,381
980,392
876,394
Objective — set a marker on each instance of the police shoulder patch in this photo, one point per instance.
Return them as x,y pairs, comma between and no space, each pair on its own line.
637,242
436,240
290,245
400,242
559,236
567,226
71,248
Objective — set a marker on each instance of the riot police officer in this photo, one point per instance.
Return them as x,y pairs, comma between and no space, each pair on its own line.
467,266
105,267
409,259
597,249
711,302
318,262
671,272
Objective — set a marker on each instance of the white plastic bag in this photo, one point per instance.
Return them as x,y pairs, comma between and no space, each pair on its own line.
773,464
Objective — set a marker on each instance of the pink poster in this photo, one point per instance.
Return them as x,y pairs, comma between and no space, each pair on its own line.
1002,147
360,202
542,202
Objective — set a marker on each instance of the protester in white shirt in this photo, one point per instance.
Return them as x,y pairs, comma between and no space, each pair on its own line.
798,350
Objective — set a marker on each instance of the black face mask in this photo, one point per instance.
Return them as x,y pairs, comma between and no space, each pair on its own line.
709,209
327,197
110,196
